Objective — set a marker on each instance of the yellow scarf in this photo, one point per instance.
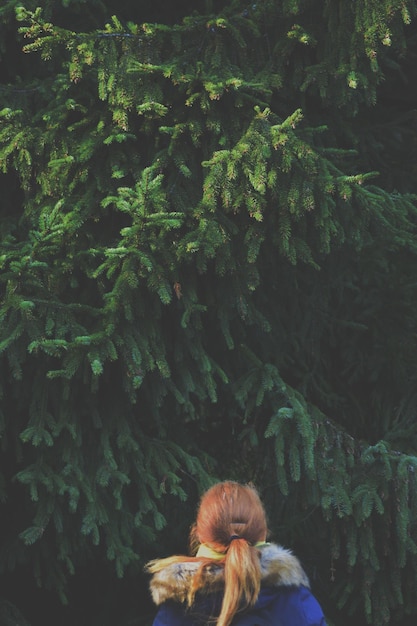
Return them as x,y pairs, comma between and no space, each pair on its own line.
208,553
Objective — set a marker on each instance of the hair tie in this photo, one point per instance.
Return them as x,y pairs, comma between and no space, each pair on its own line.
234,537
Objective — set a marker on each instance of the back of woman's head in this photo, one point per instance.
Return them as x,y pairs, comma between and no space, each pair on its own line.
231,520
230,509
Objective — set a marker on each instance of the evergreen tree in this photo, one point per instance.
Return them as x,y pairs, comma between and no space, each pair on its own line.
208,262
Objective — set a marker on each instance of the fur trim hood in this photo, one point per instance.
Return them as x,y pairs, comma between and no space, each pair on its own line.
279,567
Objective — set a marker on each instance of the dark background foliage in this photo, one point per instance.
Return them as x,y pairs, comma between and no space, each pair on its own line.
208,264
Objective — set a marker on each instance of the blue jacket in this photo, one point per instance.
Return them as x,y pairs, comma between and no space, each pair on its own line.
285,598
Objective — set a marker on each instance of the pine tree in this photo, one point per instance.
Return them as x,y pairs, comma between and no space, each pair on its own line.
208,260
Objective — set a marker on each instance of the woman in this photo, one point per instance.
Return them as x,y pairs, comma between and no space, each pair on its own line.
236,578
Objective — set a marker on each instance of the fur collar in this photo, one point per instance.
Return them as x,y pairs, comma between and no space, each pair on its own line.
278,567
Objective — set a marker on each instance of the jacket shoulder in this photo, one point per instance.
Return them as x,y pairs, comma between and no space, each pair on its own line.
296,606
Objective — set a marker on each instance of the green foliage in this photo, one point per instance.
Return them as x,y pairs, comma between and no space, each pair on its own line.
208,258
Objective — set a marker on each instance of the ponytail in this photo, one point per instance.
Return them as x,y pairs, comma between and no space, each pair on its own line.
242,578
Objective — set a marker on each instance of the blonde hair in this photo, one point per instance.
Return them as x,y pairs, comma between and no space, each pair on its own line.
230,520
